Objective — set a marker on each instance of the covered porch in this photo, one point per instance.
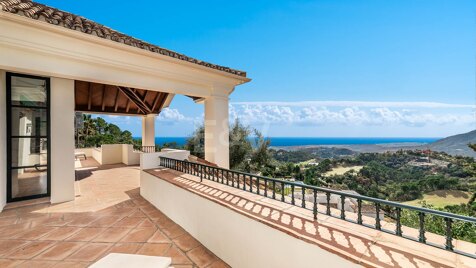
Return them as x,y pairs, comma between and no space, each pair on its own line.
91,70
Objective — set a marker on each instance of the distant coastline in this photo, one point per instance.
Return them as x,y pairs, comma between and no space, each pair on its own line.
302,142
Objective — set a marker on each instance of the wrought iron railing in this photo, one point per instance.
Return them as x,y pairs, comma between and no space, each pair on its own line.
275,189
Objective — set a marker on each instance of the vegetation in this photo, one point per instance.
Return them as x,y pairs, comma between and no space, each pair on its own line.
96,131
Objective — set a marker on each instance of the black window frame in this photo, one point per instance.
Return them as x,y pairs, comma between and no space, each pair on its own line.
9,135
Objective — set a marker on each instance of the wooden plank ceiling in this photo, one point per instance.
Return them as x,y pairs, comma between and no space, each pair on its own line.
100,98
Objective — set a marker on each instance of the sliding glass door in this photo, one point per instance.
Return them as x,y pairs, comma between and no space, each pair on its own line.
28,137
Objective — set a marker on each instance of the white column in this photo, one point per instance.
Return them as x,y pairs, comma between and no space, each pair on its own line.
3,140
148,130
62,139
217,131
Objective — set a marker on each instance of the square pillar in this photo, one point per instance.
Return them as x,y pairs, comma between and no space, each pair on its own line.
3,140
148,130
62,139
217,131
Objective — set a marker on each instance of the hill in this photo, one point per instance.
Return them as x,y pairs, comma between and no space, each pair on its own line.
455,145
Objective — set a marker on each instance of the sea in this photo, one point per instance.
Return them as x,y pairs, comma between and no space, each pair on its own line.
305,141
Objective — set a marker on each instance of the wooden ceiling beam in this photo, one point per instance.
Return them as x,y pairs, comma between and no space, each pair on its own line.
132,96
103,97
116,99
90,95
154,104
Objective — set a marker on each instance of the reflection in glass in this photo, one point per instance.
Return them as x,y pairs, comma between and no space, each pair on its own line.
29,152
29,181
28,91
28,121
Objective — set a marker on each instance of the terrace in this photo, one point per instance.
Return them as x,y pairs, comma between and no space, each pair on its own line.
108,215
164,203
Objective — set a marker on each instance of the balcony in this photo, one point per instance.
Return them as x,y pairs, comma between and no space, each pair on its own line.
205,216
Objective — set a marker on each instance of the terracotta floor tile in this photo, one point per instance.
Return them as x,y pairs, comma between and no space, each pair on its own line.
86,234
186,242
60,234
146,224
138,235
7,263
72,264
154,249
178,257
30,250
89,252
128,248
35,233
105,221
159,237
128,222
7,246
36,264
174,231
137,214
217,264
83,221
201,256
112,234
59,251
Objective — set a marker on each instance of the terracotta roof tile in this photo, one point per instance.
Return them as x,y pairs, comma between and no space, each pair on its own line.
57,17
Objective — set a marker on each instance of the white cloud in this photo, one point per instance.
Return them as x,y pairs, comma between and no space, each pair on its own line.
171,116
313,115
358,104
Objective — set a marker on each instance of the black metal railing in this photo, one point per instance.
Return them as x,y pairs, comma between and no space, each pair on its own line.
147,149
271,188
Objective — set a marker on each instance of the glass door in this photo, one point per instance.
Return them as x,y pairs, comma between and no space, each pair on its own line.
28,137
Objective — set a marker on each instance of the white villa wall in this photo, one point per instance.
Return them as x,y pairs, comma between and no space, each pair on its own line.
111,154
226,233
87,151
3,141
62,139
97,154
129,157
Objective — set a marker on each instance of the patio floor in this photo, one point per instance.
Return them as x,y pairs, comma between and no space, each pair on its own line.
108,215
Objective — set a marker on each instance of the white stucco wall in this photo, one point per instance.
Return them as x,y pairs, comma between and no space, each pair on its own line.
236,239
87,151
62,139
111,154
129,157
3,141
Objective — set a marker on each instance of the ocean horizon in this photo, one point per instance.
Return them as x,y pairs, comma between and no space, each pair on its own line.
306,141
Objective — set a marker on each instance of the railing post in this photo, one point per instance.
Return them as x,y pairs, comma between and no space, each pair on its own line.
303,197
292,194
282,191
449,235
342,210
274,189
201,173
251,184
257,185
421,237
314,208
377,218
266,187
359,211
328,203
398,231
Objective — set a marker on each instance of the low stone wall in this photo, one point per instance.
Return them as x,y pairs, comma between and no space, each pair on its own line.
235,238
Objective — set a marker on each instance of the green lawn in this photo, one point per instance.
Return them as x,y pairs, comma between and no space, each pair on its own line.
442,198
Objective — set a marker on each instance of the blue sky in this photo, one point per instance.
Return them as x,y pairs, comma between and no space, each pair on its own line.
319,68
